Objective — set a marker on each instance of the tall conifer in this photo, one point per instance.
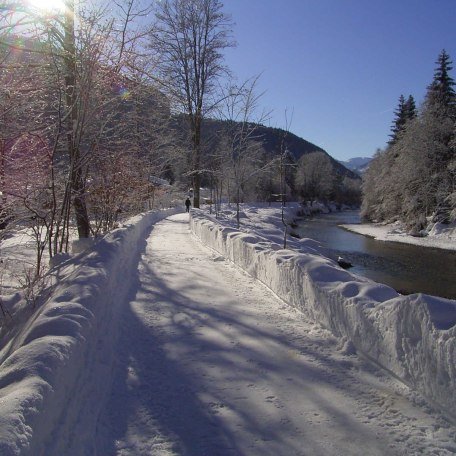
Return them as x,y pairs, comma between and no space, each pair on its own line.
441,94
410,108
439,116
406,110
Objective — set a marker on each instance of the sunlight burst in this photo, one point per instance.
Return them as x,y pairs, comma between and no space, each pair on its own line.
48,5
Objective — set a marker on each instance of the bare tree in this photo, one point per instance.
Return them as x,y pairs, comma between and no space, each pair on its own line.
315,176
241,156
189,38
76,89
285,162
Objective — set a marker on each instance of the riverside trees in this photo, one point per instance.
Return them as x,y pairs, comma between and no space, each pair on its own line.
315,177
415,176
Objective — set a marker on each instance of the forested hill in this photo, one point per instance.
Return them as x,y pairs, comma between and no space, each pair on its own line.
271,141
272,137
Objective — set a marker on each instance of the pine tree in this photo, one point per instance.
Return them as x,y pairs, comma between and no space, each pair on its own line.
410,108
438,120
405,111
441,95
414,177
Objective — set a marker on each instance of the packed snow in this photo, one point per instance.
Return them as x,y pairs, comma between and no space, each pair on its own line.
412,336
151,342
51,350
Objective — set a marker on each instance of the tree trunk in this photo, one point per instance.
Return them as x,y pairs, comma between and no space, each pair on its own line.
76,177
196,160
3,214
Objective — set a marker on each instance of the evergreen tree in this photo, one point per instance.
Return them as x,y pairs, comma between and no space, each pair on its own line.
405,111
441,95
440,115
399,121
410,108
415,177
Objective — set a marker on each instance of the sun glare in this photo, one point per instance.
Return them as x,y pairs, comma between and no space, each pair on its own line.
48,5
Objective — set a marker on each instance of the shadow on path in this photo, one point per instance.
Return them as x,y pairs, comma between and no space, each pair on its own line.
166,394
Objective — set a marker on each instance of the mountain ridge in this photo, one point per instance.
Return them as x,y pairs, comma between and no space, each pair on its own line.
357,164
271,139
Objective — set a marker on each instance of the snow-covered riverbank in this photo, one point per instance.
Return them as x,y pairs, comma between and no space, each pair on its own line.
439,236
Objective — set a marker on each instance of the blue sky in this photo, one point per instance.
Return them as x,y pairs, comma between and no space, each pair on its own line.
340,65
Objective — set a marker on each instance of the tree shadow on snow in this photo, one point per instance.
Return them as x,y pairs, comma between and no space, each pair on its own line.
164,398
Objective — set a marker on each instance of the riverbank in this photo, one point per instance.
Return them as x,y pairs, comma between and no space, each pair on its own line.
439,236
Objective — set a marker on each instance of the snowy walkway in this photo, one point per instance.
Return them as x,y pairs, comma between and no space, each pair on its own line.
210,362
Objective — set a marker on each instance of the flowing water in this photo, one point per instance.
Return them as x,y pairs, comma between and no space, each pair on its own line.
407,268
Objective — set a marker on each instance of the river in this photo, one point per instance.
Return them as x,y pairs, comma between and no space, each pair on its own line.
405,267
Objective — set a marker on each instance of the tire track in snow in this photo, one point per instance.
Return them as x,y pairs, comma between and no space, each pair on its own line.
211,362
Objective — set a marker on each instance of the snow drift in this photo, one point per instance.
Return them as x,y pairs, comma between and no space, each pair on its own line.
63,344
413,337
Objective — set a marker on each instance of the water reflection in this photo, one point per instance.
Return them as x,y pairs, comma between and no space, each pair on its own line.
407,268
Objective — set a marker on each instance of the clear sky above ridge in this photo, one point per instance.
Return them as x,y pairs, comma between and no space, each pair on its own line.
340,65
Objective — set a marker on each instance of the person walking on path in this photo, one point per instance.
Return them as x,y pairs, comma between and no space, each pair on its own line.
187,204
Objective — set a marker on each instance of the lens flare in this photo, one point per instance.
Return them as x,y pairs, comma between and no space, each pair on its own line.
124,93
48,5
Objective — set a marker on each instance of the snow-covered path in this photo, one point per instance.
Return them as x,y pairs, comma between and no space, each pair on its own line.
210,362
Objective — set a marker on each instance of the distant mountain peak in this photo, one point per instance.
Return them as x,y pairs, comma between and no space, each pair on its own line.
357,164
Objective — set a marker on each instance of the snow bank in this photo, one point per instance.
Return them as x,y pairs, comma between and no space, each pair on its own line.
438,235
64,343
414,337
